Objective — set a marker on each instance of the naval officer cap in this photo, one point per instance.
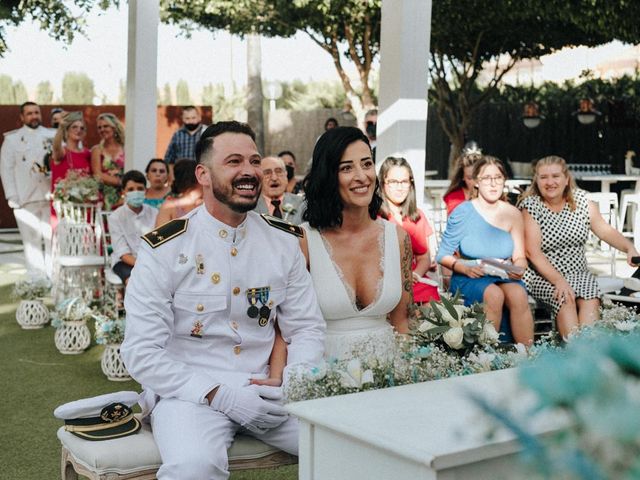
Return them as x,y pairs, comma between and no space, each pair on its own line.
101,418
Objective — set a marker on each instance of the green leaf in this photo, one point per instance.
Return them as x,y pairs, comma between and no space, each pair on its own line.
449,306
436,311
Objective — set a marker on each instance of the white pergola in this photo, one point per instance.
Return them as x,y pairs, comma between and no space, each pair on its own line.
402,118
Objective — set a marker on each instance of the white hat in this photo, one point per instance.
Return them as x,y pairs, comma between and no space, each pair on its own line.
101,418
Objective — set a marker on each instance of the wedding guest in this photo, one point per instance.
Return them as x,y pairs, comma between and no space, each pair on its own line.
489,227
330,123
186,192
68,152
360,264
558,218
56,117
128,223
274,200
157,176
293,184
399,207
462,183
107,158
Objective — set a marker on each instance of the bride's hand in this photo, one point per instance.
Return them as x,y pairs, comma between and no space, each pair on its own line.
271,382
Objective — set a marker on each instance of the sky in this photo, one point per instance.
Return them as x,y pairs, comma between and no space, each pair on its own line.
202,59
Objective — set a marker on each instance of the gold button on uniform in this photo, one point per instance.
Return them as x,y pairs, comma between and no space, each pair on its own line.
234,251
236,291
237,349
215,278
200,307
234,325
222,233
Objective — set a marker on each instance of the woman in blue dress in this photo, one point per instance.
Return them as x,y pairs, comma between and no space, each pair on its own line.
487,227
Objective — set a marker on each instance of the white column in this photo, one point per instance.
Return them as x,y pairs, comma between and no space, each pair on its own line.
142,62
402,111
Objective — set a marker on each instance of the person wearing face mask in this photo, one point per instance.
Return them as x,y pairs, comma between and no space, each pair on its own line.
26,183
128,222
56,117
293,184
183,142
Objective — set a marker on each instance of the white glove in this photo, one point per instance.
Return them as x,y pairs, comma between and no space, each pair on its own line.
12,203
247,407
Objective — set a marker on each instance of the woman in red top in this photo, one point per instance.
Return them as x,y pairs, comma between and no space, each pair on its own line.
399,207
68,151
462,183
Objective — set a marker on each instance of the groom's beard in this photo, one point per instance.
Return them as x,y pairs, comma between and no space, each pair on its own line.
228,193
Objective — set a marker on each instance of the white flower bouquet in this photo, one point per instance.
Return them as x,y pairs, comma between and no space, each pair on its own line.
108,329
32,289
455,325
77,187
70,310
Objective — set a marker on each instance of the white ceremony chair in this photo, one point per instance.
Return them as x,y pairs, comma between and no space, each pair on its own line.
599,252
77,258
113,286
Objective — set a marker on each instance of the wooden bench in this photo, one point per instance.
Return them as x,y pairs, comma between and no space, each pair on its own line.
137,457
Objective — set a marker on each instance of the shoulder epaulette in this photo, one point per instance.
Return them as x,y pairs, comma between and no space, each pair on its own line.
166,232
282,225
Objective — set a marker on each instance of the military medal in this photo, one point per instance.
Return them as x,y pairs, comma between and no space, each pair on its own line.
196,330
255,295
199,264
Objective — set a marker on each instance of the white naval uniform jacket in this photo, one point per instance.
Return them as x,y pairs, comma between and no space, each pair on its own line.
170,299
21,150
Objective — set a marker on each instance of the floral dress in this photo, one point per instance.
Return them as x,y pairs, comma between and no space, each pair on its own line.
111,166
564,235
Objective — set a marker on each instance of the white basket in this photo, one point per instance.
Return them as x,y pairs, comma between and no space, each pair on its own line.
72,338
32,314
112,364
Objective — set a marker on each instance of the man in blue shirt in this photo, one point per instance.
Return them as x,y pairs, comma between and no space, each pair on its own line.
183,142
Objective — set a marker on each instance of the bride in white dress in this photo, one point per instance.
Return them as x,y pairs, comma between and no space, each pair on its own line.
360,264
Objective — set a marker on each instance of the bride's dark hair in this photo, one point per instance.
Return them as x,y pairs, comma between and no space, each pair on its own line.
324,206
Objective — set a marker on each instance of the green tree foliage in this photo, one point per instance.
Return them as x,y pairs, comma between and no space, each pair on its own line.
62,19
463,44
166,95
224,104
299,95
343,28
20,92
77,88
122,92
183,97
6,91
44,93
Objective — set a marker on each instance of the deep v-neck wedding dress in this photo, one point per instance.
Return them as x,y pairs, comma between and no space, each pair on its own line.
353,332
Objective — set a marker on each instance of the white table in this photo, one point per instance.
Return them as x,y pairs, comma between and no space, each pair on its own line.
607,180
416,432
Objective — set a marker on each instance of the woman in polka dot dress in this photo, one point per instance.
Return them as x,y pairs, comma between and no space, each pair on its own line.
558,217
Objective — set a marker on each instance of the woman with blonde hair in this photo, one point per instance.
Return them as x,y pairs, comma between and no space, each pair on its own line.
462,184
107,158
489,228
68,152
558,218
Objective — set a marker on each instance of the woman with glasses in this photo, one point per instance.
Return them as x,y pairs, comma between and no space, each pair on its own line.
68,152
487,227
360,264
558,219
462,183
399,207
107,158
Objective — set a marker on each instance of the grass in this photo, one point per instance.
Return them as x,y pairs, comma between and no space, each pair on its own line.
35,378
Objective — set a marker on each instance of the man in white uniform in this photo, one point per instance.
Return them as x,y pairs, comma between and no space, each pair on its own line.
201,305
26,186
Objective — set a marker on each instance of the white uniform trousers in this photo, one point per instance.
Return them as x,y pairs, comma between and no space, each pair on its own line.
33,221
193,439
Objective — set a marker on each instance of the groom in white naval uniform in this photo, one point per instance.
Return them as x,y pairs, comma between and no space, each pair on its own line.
26,186
201,305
